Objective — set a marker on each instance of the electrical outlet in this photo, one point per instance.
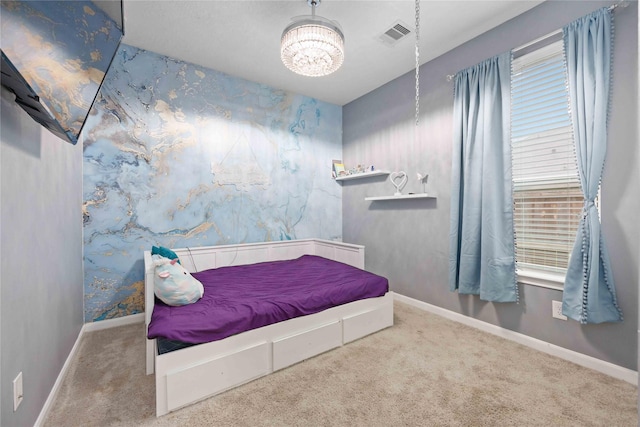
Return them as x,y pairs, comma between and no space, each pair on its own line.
18,395
556,310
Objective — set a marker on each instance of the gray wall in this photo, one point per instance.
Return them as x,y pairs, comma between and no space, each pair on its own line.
41,246
407,241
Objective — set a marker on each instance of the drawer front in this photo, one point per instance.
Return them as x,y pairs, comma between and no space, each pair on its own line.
216,375
365,323
295,348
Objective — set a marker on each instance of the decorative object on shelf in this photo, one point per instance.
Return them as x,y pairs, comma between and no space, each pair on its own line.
312,46
359,169
399,180
338,169
423,179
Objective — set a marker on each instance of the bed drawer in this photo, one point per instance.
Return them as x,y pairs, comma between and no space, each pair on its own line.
365,323
215,375
301,346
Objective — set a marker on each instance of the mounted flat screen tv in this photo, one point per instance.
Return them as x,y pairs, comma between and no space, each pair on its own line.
55,55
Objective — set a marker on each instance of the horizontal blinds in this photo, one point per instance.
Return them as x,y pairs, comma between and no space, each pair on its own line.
547,196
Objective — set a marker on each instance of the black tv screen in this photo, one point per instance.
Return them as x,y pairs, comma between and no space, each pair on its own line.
55,55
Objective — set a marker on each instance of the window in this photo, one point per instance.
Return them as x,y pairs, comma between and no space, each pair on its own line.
548,200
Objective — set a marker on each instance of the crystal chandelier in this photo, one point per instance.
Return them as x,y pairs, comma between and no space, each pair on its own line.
313,46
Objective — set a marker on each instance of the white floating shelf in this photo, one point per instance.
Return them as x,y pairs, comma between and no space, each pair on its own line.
401,197
363,175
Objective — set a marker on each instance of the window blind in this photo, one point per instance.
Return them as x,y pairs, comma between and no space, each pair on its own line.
547,197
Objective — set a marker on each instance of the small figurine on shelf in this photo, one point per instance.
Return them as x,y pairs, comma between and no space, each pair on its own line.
423,179
398,179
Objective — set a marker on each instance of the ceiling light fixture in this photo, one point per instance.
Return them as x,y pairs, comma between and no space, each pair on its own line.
312,46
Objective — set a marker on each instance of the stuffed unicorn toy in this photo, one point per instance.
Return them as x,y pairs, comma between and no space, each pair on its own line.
173,284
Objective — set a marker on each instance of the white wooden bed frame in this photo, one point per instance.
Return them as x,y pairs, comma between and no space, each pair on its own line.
194,373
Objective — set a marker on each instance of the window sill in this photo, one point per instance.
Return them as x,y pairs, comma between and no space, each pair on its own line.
543,280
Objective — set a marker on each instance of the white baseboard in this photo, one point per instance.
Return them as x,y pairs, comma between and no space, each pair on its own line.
113,323
602,366
87,327
56,386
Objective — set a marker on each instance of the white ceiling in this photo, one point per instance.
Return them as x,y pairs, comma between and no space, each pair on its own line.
242,37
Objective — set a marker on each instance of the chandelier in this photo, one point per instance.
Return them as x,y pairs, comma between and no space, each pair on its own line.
312,46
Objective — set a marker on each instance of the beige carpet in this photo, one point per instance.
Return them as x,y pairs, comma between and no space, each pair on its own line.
424,371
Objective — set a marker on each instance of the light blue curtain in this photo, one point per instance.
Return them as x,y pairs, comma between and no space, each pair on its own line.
589,293
482,256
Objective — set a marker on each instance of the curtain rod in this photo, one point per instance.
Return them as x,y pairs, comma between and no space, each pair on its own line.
621,4
552,34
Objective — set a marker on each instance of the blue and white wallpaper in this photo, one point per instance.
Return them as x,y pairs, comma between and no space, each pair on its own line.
180,155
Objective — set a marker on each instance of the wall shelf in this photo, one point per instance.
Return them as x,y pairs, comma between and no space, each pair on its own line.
363,175
401,197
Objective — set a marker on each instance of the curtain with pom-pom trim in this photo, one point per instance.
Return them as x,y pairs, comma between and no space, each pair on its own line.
589,292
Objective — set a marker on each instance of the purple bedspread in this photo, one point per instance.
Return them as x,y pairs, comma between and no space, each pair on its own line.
244,297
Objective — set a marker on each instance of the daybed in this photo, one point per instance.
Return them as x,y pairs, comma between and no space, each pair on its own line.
190,374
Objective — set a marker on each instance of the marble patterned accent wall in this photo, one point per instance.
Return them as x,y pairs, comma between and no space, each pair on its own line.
180,155
62,49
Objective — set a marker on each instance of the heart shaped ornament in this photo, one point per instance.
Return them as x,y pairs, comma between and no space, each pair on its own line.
399,180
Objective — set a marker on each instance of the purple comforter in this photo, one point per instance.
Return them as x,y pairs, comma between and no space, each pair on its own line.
244,297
